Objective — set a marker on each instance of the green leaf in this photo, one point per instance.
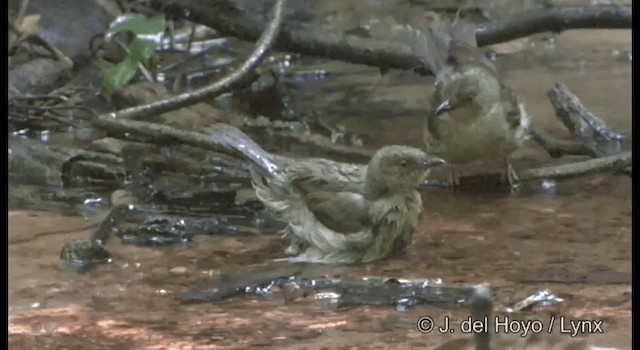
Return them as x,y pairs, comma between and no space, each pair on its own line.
138,24
141,50
148,34
117,76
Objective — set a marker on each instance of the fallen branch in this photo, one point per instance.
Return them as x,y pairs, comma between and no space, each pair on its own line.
238,77
555,19
556,147
230,17
220,138
616,162
589,129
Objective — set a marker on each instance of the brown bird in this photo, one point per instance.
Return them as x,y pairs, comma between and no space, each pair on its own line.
345,213
473,115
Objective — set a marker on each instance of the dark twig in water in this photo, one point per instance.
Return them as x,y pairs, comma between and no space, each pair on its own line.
555,19
591,166
229,17
117,213
237,78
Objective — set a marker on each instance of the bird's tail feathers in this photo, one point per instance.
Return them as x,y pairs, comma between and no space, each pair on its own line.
430,38
238,143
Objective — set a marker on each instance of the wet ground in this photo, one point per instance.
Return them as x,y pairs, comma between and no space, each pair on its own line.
576,242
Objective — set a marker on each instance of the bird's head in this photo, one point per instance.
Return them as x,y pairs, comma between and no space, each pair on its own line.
474,90
397,168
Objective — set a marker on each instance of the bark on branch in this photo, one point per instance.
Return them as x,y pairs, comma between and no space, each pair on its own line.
555,19
231,17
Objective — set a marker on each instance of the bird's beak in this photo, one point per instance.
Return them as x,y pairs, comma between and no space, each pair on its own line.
444,107
432,161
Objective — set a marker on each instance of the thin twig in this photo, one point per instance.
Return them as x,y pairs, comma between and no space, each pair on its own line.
591,166
220,138
238,77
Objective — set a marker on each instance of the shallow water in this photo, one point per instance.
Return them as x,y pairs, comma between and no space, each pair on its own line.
575,242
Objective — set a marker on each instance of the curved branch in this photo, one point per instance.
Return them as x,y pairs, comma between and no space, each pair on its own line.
555,20
236,78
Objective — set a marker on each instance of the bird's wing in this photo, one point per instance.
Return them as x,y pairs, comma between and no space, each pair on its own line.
333,192
325,175
344,212
310,213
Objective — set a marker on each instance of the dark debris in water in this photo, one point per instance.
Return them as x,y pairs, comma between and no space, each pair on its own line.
162,229
239,283
342,292
173,193
39,163
80,255
542,297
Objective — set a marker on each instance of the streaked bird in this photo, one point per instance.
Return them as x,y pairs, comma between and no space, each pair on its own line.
345,213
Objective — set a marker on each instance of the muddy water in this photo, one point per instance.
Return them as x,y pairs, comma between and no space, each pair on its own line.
576,242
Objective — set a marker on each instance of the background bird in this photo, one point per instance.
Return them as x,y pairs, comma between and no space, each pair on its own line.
344,213
473,115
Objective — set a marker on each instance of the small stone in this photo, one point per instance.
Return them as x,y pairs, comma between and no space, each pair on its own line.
178,270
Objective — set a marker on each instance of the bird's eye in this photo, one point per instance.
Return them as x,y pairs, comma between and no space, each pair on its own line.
403,163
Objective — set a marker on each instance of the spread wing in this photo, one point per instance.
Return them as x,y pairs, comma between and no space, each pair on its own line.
323,204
